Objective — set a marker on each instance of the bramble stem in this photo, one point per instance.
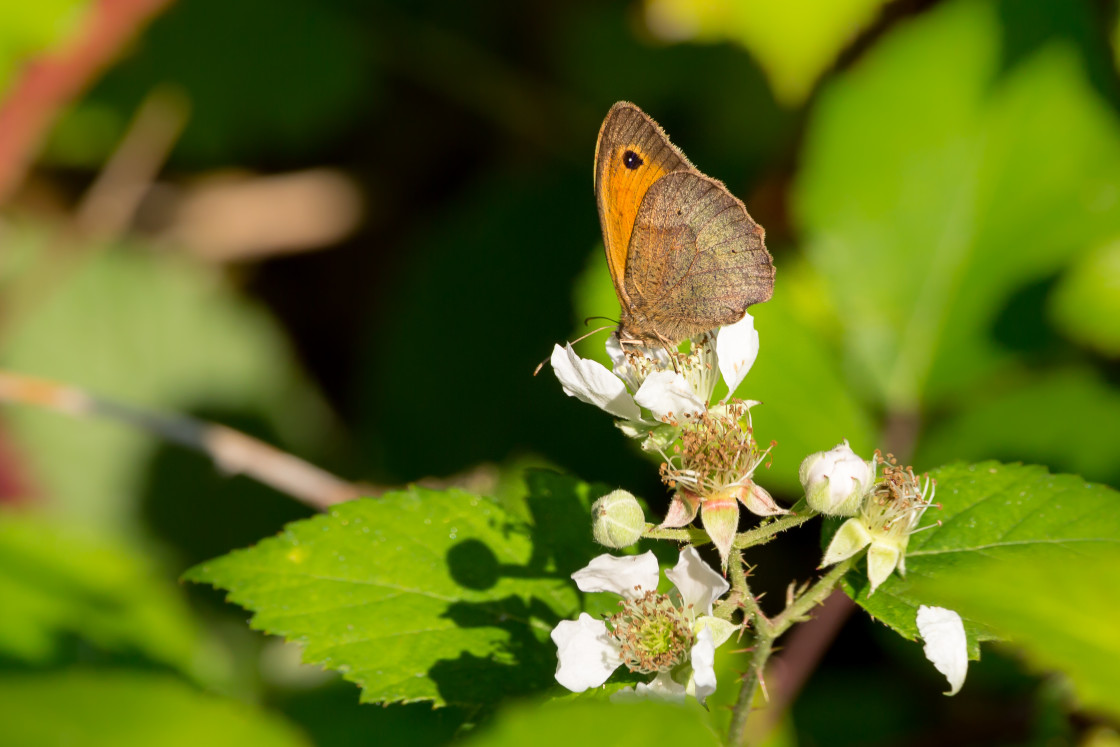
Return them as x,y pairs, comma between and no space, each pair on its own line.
767,631
691,535
800,513
737,733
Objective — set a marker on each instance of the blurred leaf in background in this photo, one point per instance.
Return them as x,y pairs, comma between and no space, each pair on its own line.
158,331
795,42
130,708
62,585
27,29
966,184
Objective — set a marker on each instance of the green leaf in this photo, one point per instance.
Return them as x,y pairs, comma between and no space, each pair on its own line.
421,595
1086,303
993,512
1078,432
591,722
60,584
925,202
117,709
1067,621
152,330
794,41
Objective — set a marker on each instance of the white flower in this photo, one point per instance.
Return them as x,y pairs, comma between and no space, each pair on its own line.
670,389
836,481
669,635
945,643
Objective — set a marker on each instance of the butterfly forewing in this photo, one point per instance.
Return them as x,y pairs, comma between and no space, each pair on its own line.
632,153
696,260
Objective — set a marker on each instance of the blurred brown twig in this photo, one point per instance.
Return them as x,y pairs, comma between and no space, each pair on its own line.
233,451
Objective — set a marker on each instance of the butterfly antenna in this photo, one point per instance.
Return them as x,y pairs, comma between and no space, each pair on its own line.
540,365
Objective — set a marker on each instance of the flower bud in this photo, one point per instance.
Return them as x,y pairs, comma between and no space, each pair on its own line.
617,519
836,481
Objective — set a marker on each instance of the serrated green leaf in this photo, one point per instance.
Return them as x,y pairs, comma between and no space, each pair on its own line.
926,205
118,709
992,511
1067,621
590,722
419,595
59,584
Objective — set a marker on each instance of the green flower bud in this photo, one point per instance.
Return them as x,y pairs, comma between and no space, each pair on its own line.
617,519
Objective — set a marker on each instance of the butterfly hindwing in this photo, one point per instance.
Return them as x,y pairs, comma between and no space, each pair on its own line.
696,259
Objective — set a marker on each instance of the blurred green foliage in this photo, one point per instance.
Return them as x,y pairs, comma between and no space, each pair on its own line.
167,334
31,29
939,186
69,585
105,708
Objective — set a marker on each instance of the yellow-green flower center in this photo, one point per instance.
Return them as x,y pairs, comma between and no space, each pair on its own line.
654,635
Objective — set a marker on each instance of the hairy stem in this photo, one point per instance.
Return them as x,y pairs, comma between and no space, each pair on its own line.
763,645
814,595
767,631
799,514
691,535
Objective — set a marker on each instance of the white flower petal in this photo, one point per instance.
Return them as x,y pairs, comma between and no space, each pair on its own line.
698,584
736,350
619,575
946,644
669,397
703,680
586,653
591,382
661,688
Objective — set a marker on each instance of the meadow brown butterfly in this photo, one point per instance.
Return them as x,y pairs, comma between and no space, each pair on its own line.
684,255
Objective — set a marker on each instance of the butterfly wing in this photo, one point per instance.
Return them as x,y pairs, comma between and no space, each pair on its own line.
696,260
632,153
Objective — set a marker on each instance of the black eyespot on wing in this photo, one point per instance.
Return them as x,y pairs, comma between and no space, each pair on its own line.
631,160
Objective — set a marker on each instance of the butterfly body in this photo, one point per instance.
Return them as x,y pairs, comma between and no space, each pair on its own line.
684,255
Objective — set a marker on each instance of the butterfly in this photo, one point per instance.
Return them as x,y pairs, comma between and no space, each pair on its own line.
684,255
